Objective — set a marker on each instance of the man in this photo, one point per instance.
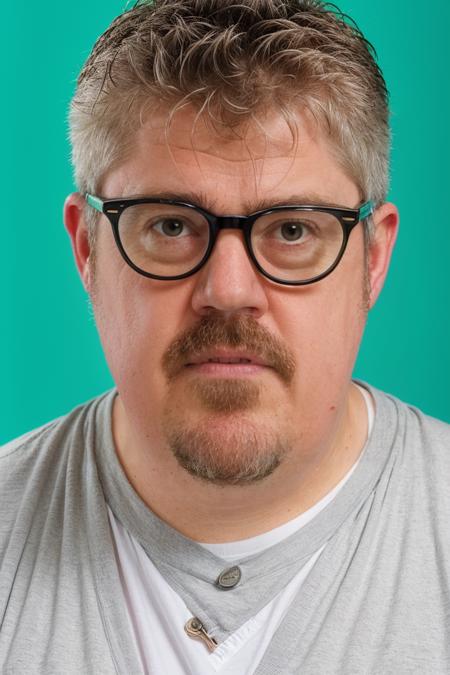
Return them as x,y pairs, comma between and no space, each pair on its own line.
237,504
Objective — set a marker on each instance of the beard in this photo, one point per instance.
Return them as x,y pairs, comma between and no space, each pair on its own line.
226,452
225,445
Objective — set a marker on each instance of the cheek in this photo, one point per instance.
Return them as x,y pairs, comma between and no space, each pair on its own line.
137,318
325,325
342,322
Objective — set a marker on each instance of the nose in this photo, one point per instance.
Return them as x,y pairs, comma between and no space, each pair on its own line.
229,283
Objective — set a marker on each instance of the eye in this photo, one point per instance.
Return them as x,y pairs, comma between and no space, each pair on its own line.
171,227
292,231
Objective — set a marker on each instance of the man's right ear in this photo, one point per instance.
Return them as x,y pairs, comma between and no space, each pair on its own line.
76,226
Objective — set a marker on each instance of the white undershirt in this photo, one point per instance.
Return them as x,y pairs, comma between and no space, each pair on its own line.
157,613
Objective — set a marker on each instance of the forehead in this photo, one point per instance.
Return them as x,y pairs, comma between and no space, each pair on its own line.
262,161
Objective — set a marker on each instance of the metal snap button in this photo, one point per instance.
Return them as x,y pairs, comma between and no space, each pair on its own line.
229,578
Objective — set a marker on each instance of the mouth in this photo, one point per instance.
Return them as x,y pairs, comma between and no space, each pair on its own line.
226,363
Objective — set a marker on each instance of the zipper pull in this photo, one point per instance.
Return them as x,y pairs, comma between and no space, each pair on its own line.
195,629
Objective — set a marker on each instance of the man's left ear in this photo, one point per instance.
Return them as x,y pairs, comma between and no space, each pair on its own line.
386,220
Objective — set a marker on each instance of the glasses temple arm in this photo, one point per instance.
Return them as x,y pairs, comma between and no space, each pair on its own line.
95,202
366,210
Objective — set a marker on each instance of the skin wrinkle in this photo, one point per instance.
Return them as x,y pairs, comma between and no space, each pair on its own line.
253,161
192,134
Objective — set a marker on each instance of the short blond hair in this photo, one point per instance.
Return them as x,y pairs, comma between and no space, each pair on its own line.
233,58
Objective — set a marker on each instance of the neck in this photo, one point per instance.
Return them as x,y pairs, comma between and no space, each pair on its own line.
209,513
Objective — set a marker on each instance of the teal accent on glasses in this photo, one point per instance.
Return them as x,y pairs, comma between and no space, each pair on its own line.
95,202
366,210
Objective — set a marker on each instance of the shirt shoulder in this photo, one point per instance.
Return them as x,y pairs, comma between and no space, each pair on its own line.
39,463
419,463
34,439
28,441
421,428
410,419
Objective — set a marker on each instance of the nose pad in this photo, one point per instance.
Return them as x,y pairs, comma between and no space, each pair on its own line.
229,282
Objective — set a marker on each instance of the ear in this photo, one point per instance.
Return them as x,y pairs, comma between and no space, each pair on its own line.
76,226
386,220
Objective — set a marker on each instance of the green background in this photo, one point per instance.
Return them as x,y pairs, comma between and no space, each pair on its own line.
51,358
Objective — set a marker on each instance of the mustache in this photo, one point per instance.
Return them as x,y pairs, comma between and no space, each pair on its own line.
235,332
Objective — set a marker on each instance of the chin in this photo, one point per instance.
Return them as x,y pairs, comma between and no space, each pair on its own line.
226,450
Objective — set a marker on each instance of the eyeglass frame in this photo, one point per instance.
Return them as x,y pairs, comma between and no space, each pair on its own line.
113,209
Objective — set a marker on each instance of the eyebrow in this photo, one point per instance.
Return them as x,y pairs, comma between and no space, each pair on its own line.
202,200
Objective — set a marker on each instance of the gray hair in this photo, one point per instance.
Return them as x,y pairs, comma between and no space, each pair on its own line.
233,58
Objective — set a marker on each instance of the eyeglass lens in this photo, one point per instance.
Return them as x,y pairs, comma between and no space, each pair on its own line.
290,245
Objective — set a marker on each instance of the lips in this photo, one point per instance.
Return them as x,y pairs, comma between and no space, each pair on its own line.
225,358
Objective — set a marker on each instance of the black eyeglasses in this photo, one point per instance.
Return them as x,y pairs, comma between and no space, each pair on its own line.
169,240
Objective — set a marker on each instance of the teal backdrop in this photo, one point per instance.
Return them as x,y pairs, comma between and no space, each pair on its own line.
51,358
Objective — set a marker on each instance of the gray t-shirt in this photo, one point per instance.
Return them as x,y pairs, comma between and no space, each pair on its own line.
377,601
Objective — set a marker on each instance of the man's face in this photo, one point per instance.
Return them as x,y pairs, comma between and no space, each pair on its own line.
225,421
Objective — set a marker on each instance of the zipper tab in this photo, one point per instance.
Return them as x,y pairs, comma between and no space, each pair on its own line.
195,629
